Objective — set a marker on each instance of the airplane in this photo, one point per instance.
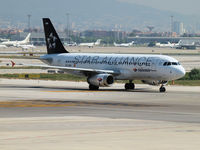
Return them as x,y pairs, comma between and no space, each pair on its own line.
163,45
102,70
27,46
3,46
124,44
180,45
70,44
175,45
3,40
91,44
16,43
185,45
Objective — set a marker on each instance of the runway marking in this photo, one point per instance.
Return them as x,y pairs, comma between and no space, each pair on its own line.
51,103
32,104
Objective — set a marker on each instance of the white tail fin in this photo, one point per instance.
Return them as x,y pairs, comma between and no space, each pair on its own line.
27,39
97,42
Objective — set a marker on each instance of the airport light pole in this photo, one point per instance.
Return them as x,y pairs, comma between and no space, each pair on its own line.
68,27
171,24
29,22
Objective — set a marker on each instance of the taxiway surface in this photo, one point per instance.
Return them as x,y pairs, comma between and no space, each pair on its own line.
66,115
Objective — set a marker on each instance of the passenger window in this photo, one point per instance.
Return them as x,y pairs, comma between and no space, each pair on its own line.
165,64
169,64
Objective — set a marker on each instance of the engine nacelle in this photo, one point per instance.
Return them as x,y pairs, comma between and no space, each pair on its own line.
101,80
152,82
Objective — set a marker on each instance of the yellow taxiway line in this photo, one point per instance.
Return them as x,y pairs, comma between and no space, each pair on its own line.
32,104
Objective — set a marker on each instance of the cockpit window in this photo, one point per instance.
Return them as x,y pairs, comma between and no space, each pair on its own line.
174,63
171,63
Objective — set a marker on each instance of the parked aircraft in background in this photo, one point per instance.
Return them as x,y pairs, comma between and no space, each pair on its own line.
16,43
4,40
165,44
124,44
27,47
92,44
3,46
175,45
101,70
70,44
185,45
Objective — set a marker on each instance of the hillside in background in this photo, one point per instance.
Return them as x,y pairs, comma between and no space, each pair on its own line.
89,14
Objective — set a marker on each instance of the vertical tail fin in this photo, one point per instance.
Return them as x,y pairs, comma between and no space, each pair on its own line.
98,42
54,45
27,39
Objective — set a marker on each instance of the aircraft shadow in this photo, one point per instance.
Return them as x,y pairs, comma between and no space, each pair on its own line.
145,90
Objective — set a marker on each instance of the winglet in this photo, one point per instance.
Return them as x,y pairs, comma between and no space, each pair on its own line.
13,63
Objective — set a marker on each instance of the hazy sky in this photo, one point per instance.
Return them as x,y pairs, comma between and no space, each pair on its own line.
181,6
102,13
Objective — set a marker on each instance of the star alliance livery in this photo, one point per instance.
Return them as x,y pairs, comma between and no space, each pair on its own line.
101,70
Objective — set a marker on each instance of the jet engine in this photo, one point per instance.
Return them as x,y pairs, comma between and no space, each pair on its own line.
152,82
101,80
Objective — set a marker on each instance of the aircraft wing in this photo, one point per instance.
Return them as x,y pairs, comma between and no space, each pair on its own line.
87,70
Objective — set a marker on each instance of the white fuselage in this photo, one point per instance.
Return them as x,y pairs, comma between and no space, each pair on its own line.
16,43
170,45
123,44
92,44
87,44
3,46
129,66
26,47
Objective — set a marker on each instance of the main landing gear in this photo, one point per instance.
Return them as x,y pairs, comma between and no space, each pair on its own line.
93,87
129,86
162,89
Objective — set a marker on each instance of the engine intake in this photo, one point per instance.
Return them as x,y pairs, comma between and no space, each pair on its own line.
101,80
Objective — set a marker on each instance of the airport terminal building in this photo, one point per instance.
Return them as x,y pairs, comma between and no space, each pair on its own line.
37,38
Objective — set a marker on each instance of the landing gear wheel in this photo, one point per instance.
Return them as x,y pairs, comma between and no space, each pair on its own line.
162,89
93,87
132,86
129,86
